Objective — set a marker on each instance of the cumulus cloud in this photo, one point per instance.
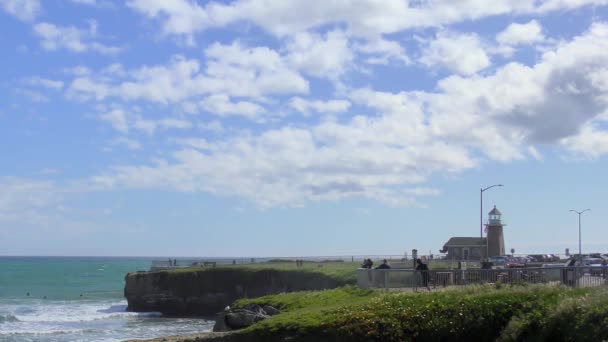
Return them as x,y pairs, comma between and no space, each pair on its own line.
521,34
368,18
382,51
320,56
305,106
44,83
117,118
25,10
131,144
283,167
519,105
232,70
53,37
397,140
151,126
589,143
462,53
221,105
251,72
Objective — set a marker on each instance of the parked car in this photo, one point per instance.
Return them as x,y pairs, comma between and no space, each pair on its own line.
516,262
498,261
593,262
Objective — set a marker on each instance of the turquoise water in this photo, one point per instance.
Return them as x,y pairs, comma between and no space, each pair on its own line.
77,299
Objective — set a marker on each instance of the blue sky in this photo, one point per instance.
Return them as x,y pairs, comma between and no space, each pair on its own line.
300,128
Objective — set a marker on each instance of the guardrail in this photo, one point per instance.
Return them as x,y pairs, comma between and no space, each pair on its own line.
578,277
171,263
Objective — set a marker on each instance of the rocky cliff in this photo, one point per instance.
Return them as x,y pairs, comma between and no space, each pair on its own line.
206,291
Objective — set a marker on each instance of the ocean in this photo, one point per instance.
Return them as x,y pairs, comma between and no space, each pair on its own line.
77,299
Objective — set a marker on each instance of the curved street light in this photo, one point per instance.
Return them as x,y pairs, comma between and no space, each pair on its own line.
579,228
481,218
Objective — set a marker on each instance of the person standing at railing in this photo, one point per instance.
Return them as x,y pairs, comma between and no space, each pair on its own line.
384,265
367,263
424,273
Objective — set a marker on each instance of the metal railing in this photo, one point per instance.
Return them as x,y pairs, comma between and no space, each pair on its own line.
171,263
578,277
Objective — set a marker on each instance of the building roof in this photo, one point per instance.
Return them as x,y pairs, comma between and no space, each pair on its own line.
464,242
495,212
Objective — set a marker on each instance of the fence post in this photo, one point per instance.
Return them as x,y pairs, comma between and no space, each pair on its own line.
385,280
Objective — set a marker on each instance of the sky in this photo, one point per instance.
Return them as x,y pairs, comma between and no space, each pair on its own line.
300,128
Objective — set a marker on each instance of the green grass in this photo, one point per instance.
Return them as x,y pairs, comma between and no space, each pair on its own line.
531,313
343,271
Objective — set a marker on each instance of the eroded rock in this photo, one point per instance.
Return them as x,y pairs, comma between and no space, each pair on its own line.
234,319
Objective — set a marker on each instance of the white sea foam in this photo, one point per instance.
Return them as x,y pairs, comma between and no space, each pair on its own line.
61,321
73,312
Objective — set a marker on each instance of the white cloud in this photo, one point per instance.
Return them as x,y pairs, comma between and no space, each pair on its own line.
520,105
33,95
55,37
181,17
172,123
251,71
320,56
368,18
212,126
131,144
232,70
304,106
382,51
589,143
150,126
197,143
221,105
103,4
117,118
287,167
44,82
462,53
521,34
553,5
77,71
399,140
25,10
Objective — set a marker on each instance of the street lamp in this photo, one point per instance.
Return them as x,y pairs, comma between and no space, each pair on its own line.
579,229
481,217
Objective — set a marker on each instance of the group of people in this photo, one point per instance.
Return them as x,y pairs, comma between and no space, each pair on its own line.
420,267
368,263
299,263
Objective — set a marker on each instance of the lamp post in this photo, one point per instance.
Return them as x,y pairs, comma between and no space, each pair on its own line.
579,229
481,217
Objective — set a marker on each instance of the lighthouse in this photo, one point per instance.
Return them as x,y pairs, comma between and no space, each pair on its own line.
495,238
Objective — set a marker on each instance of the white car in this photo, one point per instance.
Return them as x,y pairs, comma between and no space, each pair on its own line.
593,262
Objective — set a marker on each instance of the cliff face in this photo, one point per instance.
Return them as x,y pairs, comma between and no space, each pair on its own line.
205,292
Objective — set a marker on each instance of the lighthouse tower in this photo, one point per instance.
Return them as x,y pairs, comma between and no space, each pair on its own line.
495,238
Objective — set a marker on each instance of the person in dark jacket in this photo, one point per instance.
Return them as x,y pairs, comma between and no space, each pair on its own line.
424,273
384,265
367,263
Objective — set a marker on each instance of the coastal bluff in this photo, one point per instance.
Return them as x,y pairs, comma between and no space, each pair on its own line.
204,292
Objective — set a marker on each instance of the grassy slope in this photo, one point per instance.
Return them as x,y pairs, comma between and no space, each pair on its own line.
533,313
